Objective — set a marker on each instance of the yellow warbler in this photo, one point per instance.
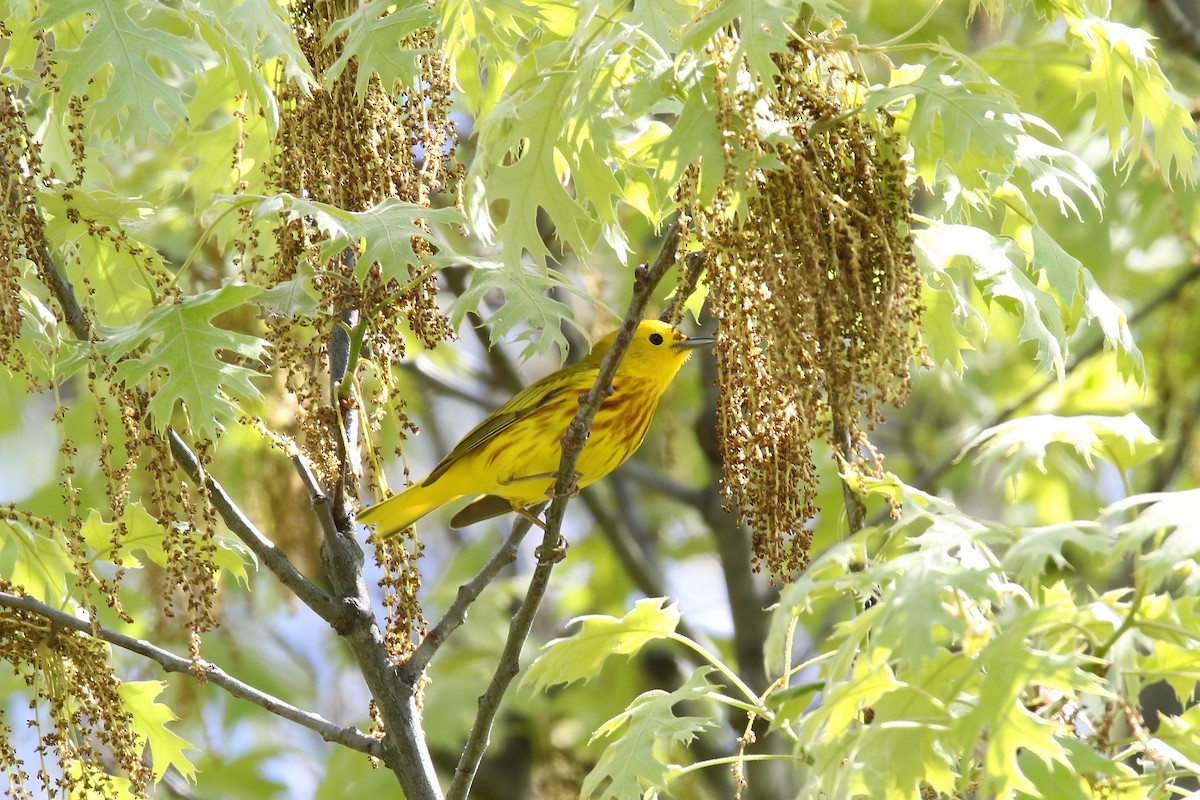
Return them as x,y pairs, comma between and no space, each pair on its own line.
512,456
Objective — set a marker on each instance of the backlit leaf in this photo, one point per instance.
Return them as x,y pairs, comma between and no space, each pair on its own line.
580,655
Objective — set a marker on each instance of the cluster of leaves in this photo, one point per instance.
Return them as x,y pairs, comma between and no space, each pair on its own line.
976,648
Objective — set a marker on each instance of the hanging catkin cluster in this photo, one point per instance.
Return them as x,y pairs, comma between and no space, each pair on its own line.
134,459
354,151
813,283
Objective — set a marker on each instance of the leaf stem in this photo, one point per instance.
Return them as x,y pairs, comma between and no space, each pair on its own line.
886,44
737,682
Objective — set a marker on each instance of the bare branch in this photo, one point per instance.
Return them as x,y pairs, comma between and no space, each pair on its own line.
53,277
347,736
316,598
468,592
320,500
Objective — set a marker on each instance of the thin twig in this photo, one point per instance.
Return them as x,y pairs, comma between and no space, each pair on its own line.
468,592
317,495
331,732
645,282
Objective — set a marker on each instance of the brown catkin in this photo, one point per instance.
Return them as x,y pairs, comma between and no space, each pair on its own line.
354,151
813,283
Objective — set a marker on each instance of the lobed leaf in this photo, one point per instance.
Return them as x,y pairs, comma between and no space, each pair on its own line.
373,35
1130,93
631,764
996,267
581,655
180,348
149,720
1124,442
130,62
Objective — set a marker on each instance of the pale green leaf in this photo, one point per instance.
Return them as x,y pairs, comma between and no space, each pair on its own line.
1124,442
295,298
1053,171
581,655
39,563
374,35
1035,548
1114,323
997,266
633,763
1168,529
264,28
120,276
999,720
523,168
383,234
763,28
972,125
1130,93
1070,279
149,721
136,56
908,718
695,138
951,321
1175,664
143,534
246,35
180,358
1062,270
528,310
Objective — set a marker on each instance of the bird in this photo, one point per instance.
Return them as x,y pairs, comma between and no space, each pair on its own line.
511,458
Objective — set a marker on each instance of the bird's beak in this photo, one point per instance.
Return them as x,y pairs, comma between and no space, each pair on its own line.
693,343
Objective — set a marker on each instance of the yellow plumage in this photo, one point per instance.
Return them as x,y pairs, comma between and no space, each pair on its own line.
512,456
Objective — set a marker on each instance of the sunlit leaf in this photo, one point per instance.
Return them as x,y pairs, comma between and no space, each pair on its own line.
1124,442
580,655
149,719
630,765
181,347
126,55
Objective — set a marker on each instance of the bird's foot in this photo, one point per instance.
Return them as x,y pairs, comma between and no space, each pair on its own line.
572,488
552,555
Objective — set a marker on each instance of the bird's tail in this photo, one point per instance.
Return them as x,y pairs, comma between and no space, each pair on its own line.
401,511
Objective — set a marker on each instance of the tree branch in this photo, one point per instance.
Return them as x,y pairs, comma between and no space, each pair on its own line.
53,277
347,736
645,282
313,596
468,592
404,748
316,495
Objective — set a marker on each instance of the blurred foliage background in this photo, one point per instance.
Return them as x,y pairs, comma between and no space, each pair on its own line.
1011,613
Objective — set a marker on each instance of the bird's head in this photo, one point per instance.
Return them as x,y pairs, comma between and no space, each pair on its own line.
656,352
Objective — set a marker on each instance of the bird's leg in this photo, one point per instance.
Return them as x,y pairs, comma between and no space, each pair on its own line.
557,553
522,512
552,555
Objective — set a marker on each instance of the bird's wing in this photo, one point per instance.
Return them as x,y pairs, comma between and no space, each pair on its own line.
525,403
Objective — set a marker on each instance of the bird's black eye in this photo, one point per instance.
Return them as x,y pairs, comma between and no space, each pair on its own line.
656,338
